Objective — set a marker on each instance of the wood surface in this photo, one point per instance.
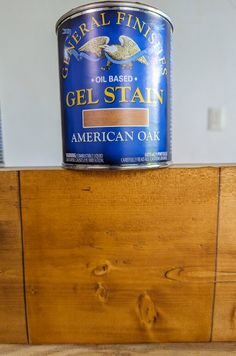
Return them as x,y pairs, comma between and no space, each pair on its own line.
12,310
120,257
115,117
187,349
225,302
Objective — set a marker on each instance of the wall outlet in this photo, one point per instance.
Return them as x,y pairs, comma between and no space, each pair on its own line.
216,119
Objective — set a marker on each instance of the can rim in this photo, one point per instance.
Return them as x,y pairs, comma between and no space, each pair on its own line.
113,4
101,167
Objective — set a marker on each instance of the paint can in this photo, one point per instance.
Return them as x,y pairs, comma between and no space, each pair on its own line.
115,82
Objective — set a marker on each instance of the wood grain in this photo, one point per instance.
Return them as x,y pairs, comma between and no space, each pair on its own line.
120,257
12,312
225,304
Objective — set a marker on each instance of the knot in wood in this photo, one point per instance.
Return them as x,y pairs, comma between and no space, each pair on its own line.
101,269
147,311
102,293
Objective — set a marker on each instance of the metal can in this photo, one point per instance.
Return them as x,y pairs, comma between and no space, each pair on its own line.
115,80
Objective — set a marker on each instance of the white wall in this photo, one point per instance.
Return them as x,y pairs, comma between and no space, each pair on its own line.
204,76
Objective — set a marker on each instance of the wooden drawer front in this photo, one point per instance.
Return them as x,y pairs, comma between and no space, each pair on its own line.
120,256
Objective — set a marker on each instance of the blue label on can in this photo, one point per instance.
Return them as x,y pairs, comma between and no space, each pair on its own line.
115,87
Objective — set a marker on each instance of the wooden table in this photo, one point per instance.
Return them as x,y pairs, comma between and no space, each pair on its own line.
118,257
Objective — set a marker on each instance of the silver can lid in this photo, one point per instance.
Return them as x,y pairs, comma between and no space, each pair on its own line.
106,5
